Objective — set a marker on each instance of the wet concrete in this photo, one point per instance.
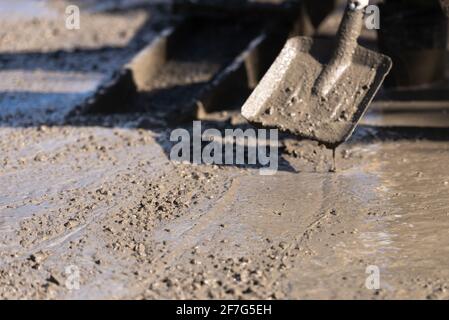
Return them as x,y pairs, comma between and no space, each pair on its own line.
53,72
97,193
138,225
26,9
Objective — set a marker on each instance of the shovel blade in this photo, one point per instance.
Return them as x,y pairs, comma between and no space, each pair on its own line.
284,97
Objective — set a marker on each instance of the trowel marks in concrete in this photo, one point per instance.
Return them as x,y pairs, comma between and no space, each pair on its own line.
331,120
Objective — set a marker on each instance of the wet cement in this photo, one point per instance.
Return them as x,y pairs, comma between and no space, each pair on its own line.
100,194
196,52
139,226
49,69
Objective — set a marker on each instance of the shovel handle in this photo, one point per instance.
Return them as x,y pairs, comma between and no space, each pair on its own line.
348,33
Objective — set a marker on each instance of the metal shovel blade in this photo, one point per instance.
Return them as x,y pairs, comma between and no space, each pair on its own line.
284,97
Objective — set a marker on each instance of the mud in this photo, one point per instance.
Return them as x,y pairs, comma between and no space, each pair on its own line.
99,194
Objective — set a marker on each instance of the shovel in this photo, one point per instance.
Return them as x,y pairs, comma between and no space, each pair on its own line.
319,89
